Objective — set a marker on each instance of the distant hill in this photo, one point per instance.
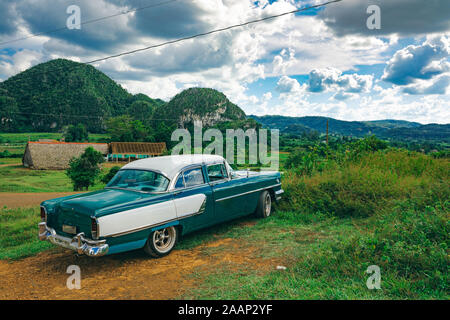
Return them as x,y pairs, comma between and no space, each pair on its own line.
208,105
68,91
388,129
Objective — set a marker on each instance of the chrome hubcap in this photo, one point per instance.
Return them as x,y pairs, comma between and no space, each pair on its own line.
164,239
268,203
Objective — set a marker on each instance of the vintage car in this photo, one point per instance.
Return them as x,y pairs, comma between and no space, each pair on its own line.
150,203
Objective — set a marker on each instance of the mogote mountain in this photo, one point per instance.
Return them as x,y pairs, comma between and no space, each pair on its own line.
51,95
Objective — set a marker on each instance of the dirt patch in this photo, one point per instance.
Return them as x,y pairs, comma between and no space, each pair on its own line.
130,275
23,200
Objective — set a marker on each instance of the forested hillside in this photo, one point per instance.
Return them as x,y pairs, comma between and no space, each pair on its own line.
388,129
61,92
51,95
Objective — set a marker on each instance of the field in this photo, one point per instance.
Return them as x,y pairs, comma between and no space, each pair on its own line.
23,138
16,178
341,213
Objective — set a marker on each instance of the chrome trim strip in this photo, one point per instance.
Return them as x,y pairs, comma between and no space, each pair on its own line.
248,192
201,210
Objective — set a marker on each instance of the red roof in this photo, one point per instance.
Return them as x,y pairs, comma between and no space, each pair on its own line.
61,142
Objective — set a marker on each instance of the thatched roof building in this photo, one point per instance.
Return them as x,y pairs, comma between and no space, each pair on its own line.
56,155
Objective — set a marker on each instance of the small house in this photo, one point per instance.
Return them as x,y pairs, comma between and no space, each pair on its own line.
56,155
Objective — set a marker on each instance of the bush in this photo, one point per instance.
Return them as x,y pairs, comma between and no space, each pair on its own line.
85,169
111,173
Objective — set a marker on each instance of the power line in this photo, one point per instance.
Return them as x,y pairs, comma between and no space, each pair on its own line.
213,31
196,36
193,36
89,21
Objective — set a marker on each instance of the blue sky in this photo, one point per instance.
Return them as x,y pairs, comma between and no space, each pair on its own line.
322,62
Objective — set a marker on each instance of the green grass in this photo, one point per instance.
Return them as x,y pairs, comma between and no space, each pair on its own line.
20,179
326,259
23,138
18,233
10,160
388,208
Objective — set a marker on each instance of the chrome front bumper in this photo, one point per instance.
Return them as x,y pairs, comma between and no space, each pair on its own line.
278,194
91,248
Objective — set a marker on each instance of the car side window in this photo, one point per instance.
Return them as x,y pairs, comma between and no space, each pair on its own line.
193,177
180,182
216,172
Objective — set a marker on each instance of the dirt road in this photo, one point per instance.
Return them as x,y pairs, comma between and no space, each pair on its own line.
130,275
23,200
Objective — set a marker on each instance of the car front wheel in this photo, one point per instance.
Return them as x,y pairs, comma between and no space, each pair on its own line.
161,242
264,207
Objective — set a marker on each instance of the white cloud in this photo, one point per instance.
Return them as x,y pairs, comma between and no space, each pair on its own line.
330,79
419,61
18,62
286,84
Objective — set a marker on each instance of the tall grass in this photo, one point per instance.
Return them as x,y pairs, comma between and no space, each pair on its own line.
360,188
404,198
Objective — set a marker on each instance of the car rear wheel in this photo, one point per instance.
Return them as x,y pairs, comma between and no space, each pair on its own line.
264,207
161,242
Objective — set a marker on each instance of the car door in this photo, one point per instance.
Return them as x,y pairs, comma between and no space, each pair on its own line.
193,199
228,202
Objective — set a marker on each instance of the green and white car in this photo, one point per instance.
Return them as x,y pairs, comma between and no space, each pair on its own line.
150,203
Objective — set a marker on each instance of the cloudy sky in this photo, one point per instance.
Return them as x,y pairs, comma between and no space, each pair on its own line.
323,62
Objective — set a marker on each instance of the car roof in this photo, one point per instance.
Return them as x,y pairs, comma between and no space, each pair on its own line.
171,165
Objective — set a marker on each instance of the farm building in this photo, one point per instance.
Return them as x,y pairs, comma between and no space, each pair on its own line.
135,150
56,155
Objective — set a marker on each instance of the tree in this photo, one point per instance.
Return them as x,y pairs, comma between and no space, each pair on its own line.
125,129
76,133
84,170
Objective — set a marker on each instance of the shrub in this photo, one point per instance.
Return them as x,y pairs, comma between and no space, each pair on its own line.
85,169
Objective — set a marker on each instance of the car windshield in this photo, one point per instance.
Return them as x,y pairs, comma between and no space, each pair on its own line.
139,180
